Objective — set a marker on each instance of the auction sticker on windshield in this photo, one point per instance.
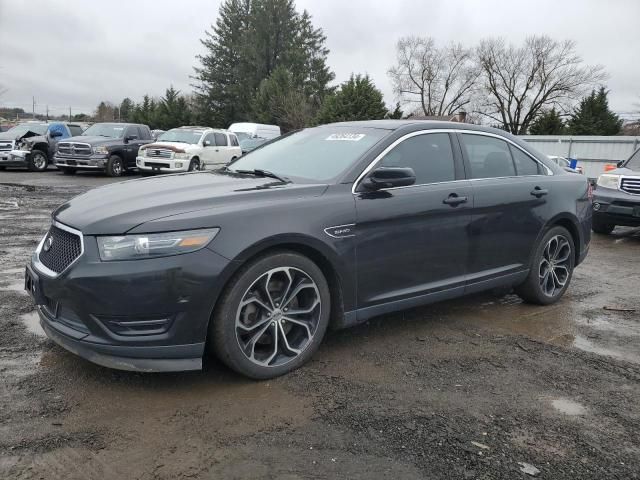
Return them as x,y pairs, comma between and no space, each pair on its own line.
346,137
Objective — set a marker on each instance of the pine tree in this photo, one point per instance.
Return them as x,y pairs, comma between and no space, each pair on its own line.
357,99
250,40
126,109
593,116
548,123
145,112
396,114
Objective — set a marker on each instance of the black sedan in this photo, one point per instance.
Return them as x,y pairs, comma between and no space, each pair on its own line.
329,226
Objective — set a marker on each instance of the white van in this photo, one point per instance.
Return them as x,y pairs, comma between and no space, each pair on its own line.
254,130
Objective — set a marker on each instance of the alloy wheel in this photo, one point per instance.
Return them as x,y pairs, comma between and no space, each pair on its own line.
39,160
117,168
555,264
278,316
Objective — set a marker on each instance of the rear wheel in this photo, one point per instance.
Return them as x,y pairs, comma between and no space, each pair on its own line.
69,171
272,316
115,166
551,268
600,226
37,161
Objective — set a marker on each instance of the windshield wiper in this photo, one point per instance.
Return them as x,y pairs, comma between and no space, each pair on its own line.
258,172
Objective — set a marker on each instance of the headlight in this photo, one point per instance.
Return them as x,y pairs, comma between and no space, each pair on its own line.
181,156
608,181
101,150
133,247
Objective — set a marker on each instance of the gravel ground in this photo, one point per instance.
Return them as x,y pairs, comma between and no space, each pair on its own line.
479,388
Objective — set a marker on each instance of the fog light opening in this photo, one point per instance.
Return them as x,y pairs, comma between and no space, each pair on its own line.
597,206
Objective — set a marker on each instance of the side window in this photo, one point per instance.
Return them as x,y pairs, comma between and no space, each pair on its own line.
234,141
525,165
75,130
489,157
211,139
143,133
430,155
221,139
132,131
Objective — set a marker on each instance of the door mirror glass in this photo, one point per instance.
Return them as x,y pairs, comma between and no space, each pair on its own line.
128,138
55,133
389,177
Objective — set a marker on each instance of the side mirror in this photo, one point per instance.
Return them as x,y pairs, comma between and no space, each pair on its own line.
128,138
55,133
389,177
207,143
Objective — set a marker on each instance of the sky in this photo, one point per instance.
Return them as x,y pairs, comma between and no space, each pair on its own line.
75,53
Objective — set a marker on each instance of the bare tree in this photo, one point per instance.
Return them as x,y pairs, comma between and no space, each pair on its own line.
519,82
440,80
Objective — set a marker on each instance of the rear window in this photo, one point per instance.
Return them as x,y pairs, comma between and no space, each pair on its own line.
489,157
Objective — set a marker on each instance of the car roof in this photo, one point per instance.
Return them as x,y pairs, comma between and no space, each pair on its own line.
427,124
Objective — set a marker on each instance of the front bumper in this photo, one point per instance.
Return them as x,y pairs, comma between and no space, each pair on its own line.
164,165
616,207
14,158
142,315
93,162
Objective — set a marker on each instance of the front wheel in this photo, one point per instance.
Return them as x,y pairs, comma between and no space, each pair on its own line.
194,165
115,167
272,316
37,161
551,268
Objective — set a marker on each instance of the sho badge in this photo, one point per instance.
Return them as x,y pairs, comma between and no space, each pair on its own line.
341,231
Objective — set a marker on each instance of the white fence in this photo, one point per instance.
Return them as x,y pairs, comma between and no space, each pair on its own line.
592,153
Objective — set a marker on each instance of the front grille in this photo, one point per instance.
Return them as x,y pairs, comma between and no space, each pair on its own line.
630,185
74,149
6,146
159,153
60,252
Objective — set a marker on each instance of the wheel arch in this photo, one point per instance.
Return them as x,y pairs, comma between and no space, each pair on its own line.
309,247
572,225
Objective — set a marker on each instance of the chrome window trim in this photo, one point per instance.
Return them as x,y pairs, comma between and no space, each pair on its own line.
36,255
445,130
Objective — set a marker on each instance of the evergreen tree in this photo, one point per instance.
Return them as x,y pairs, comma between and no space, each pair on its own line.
145,112
126,109
593,116
357,99
396,114
548,123
250,40
172,110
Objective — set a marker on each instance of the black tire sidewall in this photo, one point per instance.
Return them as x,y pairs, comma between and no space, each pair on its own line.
600,225
111,162
531,290
222,334
196,165
32,163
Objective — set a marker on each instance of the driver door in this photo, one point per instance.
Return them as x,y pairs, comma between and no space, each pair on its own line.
412,241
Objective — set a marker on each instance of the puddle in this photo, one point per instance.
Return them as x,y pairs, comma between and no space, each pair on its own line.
568,407
32,322
583,343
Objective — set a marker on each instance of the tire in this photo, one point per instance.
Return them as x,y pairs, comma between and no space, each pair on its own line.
115,166
303,332
194,165
69,171
542,287
38,161
598,225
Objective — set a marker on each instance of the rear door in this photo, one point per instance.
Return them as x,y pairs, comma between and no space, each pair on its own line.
413,241
223,153
511,191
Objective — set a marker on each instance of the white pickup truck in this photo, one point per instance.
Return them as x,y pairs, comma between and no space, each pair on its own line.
187,149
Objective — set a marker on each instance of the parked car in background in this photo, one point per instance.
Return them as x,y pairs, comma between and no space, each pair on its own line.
253,130
10,138
565,163
108,147
188,148
616,199
330,225
249,144
156,133
36,151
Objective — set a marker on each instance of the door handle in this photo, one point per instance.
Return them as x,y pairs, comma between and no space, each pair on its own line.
454,200
539,192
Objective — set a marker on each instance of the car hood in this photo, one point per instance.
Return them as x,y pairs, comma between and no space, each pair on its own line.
117,208
175,146
4,136
624,171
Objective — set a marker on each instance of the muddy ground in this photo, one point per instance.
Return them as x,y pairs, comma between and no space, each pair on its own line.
459,390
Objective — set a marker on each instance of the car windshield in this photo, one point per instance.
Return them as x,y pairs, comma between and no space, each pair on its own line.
19,130
317,154
181,135
112,130
251,143
242,135
634,162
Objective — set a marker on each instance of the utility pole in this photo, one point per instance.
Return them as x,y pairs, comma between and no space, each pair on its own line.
47,113
69,112
33,111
